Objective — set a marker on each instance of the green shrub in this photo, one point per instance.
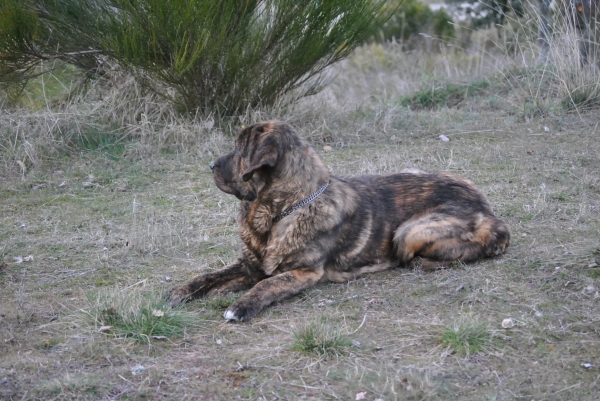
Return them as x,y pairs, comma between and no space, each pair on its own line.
224,55
413,18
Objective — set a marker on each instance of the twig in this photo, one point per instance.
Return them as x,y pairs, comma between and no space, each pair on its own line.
568,388
133,285
361,325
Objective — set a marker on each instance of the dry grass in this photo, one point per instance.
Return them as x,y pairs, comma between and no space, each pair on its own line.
106,216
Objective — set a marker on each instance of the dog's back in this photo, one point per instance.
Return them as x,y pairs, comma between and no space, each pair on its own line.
438,217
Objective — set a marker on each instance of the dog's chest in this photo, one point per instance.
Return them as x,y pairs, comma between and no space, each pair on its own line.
254,231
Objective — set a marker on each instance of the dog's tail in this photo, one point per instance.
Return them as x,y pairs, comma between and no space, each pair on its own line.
445,238
496,235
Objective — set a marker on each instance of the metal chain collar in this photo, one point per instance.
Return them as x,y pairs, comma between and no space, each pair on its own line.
298,205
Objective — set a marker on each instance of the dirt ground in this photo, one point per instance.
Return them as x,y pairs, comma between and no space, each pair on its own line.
98,223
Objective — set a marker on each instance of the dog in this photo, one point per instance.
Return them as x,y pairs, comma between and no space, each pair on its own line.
299,225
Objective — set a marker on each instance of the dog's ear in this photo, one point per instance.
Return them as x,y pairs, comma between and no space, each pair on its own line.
266,152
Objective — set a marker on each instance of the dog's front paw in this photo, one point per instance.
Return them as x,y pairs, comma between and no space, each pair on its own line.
240,313
178,295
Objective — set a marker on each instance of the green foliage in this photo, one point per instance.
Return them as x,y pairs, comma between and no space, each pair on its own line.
465,338
413,18
95,140
444,94
319,339
223,55
139,315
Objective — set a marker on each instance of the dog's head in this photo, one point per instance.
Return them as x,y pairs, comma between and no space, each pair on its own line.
257,158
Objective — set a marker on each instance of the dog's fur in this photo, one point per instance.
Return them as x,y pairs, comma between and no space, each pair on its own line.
357,225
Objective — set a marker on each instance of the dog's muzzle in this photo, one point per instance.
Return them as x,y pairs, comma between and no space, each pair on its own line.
212,166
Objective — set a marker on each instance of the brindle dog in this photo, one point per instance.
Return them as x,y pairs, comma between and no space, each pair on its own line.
300,225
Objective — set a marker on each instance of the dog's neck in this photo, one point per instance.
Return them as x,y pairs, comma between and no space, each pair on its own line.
302,174
303,202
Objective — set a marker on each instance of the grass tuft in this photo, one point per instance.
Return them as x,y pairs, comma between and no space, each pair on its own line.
136,314
444,94
95,140
316,338
583,97
466,337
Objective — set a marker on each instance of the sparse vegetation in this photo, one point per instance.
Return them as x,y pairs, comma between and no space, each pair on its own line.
106,200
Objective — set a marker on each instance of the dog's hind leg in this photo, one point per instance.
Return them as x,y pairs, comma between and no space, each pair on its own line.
273,289
235,277
440,239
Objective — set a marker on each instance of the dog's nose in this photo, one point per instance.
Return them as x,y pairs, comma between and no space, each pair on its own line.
212,166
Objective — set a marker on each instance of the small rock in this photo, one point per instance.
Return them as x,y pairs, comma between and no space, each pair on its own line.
539,314
444,138
508,323
546,129
593,264
219,342
327,148
20,259
587,365
356,343
168,278
137,369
